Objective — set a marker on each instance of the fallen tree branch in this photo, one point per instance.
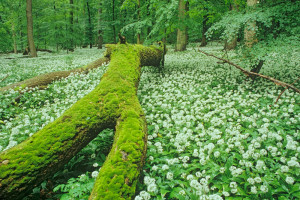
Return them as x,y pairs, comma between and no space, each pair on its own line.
247,73
41,81
4,78
285,90
113,103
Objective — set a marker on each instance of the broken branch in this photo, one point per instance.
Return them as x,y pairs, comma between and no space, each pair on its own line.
285,90
4,78
247,73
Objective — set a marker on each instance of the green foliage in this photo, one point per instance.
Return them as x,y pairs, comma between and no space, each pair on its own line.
271,21
76,188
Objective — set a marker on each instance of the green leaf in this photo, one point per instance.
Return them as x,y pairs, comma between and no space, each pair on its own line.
65,197
175,193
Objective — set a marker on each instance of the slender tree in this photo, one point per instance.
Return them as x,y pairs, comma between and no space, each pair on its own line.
14,37
232,42
139,18
182,34
100,36
90,28
30,28
204,30
71,23
113,19
249,32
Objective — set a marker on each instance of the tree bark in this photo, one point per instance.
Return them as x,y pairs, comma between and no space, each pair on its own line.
100,37
30,28
90,28
182,30
113,103
14,38
113,21
232,43
139,17
204,30
249,32
71,24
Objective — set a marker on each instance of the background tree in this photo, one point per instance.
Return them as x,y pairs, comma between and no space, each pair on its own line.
250,29
182,34
231,43
30,28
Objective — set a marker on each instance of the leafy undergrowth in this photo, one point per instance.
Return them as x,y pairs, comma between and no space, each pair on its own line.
23,115
214,134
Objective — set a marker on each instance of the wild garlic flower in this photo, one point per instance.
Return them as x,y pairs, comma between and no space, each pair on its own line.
152,188
169,176
95,174
264,188
145,195
253,189
290,180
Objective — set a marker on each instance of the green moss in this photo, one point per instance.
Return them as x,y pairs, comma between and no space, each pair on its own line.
21,87
117,177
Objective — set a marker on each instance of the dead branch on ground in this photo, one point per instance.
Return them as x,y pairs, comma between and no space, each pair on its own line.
285,90
4,78
251,74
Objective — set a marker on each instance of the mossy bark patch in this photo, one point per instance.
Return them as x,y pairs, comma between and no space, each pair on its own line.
118,176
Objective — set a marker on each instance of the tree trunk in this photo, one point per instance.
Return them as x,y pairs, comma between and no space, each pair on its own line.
14,38
182,30
249,32
113,103
71,25
231,43
114,26
139,17
90,34
100,37
30,28
118,176
204,30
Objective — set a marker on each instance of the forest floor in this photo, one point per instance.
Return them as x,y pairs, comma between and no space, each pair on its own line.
213,133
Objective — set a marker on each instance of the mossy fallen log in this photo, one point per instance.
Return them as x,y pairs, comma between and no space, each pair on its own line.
112,104
43,80
118,176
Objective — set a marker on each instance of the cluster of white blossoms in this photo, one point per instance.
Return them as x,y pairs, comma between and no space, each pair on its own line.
20,69
210,122
44,106
151,185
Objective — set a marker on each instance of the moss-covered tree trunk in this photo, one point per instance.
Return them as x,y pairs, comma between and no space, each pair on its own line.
118,176
113,103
